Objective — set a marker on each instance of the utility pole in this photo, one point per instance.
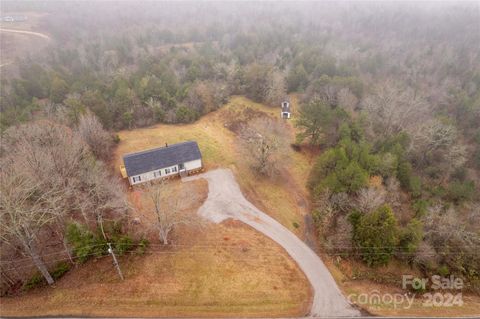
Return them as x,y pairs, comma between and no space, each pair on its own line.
115,262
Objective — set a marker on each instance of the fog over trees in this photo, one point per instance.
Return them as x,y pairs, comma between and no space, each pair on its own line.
389,99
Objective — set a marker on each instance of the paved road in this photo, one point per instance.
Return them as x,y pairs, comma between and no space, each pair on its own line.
225,200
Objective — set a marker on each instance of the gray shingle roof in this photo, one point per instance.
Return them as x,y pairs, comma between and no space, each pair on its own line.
157,158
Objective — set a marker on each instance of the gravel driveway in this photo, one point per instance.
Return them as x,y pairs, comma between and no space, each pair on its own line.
225,200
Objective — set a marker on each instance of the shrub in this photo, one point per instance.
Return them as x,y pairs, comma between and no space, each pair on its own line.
60,269
376,235
123,244
317,216
37,280
295,225
443,271
387,165
438,191
85,244
404,173
461,191
142,246
334,171
185,115
411,236
415,186
420,207
353,177
407,180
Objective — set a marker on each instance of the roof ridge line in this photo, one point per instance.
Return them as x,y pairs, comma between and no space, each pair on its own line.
157,148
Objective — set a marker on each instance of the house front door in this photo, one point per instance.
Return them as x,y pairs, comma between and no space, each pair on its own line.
181,167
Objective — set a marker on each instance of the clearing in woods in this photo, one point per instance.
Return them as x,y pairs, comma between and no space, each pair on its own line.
284,198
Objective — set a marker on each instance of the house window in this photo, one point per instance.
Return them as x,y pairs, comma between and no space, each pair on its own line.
157,174
136,179
174,169
167,170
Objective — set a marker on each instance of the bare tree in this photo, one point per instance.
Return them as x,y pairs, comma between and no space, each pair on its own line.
264,138
168,212
276,88
50,156
347,100
369,199
443,230
341,202
340,241
45,151
325,206
102,195
48,175
435,141
26,206
426,255
394,109
91,131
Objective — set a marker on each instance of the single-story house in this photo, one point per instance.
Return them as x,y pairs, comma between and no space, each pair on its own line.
176,159
285,114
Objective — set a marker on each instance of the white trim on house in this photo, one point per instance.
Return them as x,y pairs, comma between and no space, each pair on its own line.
164,172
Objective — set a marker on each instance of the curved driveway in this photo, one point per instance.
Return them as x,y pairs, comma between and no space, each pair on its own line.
225,200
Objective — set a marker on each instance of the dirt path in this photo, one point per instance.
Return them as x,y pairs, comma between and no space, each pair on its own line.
225,200
37,34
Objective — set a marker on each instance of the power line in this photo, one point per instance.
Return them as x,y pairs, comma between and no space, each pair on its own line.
243,258
240,246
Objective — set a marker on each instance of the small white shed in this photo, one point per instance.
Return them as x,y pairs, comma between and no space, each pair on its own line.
285,114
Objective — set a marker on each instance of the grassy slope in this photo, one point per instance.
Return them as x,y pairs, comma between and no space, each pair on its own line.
227,270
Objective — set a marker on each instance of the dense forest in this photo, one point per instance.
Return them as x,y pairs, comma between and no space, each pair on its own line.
389,95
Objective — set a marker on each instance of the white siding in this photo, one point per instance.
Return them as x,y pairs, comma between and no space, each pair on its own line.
145,177
195,164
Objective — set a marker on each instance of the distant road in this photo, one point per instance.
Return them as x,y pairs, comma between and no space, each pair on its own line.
225,200
37,34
